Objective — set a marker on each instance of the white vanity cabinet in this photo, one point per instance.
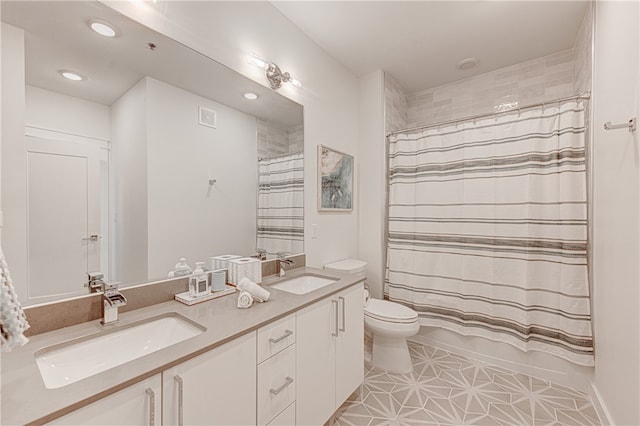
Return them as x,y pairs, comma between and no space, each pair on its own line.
138,404
330,354
215,388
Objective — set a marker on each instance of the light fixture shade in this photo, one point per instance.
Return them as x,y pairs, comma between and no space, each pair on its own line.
274,74
256,61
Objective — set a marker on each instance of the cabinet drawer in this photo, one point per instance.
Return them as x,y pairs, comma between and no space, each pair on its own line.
274,337
276,384
286,418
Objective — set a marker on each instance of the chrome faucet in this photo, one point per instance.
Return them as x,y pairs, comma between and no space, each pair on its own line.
284,262
112,299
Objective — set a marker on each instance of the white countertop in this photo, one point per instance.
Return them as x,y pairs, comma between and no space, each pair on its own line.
25,399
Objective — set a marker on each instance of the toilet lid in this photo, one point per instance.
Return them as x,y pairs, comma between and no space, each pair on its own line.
389,311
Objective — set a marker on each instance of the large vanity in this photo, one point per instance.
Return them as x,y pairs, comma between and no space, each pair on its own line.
292,360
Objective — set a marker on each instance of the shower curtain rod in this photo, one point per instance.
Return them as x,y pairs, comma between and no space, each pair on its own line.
586,95
280,155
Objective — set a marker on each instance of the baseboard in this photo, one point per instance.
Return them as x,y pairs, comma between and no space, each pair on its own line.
600,406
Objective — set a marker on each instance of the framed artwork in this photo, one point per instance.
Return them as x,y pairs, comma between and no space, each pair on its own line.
335,180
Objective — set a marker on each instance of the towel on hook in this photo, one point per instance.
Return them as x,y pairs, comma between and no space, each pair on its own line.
245,300
13,322
259,294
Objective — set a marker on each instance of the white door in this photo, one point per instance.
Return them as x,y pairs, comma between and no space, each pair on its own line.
316,330
63,217
215,388
139,404
349,343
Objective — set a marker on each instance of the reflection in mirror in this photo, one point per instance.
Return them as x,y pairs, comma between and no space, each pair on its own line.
155,154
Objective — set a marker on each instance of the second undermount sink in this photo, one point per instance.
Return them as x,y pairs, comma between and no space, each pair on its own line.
61,365
303,284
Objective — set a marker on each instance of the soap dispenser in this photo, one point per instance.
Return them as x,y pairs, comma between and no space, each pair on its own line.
198,283
182,268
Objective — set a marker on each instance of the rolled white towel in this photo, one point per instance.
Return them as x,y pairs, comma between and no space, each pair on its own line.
245,300
260,294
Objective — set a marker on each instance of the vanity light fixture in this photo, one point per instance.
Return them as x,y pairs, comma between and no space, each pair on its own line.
71,75
103,28
274,74
250,95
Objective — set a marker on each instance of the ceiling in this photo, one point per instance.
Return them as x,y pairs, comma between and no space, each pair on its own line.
420,42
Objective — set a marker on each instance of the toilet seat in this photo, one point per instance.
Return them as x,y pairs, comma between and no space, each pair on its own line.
385,310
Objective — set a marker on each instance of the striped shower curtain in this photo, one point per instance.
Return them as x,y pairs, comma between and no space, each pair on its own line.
488,229
280,204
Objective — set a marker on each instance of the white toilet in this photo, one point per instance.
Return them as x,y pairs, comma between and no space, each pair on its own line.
389,322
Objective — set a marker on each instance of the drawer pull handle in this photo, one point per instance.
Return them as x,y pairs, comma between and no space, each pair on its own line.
287,382
152,406
286,334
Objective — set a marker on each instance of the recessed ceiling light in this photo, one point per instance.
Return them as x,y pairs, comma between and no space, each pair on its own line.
467,64
250,95
103,28
70,75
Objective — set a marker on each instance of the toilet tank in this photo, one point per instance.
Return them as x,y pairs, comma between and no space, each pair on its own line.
348,266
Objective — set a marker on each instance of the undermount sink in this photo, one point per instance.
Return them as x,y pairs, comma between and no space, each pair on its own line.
303,284
63,364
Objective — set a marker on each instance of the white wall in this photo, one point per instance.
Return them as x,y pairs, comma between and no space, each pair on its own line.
14,156
227,32
371,179
129,185
616,201
186,216
65,114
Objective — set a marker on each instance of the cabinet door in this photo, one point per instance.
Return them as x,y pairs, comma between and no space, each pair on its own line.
315,361
138,404
349,343
215,388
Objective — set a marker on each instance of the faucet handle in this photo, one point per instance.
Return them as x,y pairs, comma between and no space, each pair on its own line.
95,282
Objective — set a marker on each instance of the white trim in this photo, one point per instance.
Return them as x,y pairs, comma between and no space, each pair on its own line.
601,408
51,134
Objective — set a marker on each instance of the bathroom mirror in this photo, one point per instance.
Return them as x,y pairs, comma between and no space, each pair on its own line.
153,153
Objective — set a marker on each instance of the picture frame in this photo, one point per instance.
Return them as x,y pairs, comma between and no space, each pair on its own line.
335,180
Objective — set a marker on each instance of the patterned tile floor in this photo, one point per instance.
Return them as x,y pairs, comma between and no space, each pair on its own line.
448,389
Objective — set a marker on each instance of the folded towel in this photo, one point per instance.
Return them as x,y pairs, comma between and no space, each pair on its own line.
245,300
13,322
259,294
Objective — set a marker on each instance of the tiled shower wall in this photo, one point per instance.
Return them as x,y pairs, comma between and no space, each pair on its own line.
583,54
557,75
395,105
274,141
530,82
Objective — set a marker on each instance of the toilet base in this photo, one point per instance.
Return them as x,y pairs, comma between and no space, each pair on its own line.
391,354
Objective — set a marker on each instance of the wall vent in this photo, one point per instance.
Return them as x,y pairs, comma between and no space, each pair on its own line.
208,117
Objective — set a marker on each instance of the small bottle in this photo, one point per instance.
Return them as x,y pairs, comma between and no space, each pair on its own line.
198,283
182,268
